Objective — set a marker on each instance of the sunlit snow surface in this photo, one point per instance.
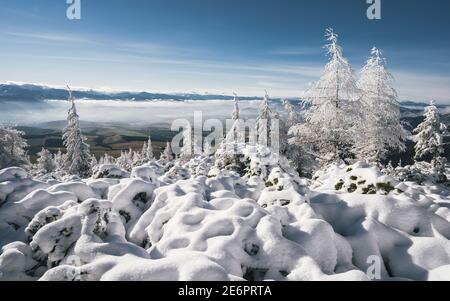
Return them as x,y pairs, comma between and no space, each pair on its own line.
200,221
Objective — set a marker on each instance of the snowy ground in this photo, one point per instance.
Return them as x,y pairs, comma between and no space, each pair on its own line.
211,220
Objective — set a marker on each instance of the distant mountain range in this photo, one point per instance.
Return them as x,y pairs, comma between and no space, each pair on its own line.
11,91
34,92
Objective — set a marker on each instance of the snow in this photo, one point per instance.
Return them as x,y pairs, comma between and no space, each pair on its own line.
110,171
200,220
242,212
410,238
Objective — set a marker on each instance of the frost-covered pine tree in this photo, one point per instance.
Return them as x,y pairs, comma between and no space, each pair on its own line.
125,161
129,157
333,115
77,160
106,159
208,149
137,158
292,117
430,137
94,161
264,121
58,158
282,135
236,113
167,154
236,134
382,131
144,150
45,162
187,148
13,148
296,152
147,150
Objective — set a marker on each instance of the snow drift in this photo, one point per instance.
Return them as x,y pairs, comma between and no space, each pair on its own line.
206,219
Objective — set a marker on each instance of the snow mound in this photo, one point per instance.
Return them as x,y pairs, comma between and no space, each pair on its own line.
223,217
110,171
358,178
15,183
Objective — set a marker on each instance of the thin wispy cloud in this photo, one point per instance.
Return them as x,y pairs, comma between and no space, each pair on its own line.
34,15
421,86
164,52
295,51
78,58
49,37
160,49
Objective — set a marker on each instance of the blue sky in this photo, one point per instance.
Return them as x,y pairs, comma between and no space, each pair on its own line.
220,46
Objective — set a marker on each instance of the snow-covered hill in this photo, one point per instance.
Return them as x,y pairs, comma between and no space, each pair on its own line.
209,219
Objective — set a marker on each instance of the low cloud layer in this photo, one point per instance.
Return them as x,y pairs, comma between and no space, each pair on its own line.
151,112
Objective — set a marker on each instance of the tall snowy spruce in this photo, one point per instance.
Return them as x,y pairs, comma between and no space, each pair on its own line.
147,150
236,133
236,112
382,131
264,121
430,138
334,108
77,160
13,148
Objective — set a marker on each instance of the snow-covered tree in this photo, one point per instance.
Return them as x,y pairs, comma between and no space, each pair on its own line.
144,150
208,150
147,150
430,137
77,160
299,158
106,159
45,162
236,113
125,161
382,131
282,134
187,148
293,117
94,161
264,121
334,113
167,154
122,160
137,158
237,132
58,158
13,148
